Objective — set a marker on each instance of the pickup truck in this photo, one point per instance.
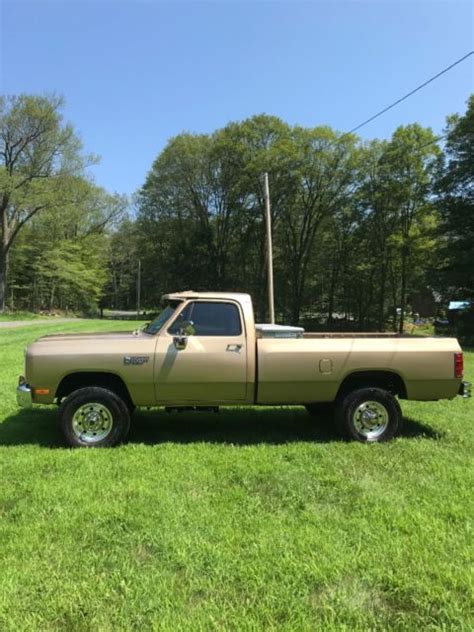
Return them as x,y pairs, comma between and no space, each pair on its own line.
204,350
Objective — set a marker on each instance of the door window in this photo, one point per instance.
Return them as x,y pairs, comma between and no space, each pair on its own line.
209,319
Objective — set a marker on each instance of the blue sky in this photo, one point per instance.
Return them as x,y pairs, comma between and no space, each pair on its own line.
135,73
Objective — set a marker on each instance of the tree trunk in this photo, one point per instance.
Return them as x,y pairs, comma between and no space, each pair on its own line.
3,290
381,314
3,279
295,310
296,299
403,290
330,305
332,290
51,296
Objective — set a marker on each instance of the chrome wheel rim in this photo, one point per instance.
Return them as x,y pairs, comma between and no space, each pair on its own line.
92,422
370,419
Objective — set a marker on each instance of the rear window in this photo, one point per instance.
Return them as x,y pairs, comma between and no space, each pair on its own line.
210,319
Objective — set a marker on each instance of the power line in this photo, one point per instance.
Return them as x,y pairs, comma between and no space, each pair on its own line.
431,142
442,137
409,94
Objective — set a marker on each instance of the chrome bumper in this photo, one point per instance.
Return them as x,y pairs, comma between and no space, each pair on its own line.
23,394
465,389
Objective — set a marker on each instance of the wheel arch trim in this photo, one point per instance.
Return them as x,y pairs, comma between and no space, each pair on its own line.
386,379
75,380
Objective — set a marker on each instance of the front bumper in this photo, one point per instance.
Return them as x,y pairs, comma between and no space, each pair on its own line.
23,394
465,389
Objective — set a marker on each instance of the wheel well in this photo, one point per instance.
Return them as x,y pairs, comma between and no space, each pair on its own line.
110,381
387,380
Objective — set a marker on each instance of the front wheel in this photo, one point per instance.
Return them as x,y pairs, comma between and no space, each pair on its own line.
369,415
94,417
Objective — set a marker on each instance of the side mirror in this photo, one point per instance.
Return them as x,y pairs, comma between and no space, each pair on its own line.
181,339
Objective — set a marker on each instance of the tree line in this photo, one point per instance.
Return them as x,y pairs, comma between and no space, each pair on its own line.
363,232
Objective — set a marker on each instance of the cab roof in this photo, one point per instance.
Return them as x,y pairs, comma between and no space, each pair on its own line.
184,296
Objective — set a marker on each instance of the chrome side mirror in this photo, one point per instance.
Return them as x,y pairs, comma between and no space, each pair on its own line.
180,341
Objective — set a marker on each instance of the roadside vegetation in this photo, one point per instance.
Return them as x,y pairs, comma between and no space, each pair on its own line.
249,519
22,315
19,315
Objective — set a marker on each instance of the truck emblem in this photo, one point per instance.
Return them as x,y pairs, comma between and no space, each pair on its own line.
135,360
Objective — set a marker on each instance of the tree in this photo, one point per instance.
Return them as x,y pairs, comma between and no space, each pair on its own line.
257,145
413,158
322,169
456,204
353,226
71,275
65,250
378,220
124,253
39,157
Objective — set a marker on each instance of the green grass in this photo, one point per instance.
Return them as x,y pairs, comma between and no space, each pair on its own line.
256,519
421,330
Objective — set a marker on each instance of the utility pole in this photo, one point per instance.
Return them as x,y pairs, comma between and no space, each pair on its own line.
268,224
139,282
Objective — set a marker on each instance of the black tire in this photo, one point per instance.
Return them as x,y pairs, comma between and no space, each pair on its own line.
369,415
94,417
321,409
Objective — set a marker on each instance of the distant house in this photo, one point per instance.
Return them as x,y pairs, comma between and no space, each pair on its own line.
455,308
458,305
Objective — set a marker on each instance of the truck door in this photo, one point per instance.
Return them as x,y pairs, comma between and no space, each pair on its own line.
210,364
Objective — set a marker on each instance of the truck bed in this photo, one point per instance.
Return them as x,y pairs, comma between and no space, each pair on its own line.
313,368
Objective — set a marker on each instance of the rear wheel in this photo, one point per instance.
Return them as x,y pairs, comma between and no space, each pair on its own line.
94,417
369,415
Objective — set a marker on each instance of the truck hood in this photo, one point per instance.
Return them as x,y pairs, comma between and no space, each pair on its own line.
86,351
118,342
93,337
123,353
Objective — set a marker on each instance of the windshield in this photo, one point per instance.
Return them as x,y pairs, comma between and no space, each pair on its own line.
157,324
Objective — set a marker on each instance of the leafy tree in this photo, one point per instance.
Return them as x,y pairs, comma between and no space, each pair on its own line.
42,273
378,219
322,171
257,145
456,204
39,155
353,226
201,209
397,221
413,159
70,275
124,252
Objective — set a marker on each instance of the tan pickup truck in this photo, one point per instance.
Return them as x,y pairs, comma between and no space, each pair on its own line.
204,350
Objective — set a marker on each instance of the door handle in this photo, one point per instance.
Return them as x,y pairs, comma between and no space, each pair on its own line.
234,348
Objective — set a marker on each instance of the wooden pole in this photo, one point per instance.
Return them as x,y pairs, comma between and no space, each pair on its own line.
268,224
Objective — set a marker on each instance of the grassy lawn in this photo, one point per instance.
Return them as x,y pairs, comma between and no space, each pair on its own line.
256,519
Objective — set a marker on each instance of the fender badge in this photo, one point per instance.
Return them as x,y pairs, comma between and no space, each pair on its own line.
135,360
